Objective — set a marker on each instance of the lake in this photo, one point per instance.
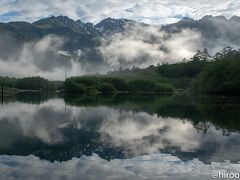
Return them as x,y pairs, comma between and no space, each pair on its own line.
118,137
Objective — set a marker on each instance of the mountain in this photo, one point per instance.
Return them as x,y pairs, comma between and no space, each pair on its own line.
111,26
64,26
21,30
77,34
214,30
88,27
209,26
64,22
235,19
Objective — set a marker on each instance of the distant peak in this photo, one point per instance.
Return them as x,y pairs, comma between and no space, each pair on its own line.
221,18
79,22
53,19
186,19
63,21
60,17
111,25
235,18
210,17
109,18
89,24
207,17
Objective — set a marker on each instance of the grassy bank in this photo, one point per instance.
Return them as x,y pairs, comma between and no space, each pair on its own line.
8,92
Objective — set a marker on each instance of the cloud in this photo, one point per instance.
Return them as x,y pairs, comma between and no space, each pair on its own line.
43,57
220,33
33,121
148,11
141,45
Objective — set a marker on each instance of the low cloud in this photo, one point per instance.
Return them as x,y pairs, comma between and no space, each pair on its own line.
142,45
42,57
218,33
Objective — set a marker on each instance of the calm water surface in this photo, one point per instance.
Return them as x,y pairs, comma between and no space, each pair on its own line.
125,132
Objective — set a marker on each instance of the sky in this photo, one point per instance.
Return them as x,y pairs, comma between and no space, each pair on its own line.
148,11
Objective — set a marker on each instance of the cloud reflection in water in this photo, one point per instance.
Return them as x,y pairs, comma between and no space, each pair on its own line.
137,133
151,167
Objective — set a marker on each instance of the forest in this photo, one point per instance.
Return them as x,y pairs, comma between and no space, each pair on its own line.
11,86
109,85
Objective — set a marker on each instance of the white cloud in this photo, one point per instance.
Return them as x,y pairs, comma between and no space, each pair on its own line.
39,58
142,46
149,11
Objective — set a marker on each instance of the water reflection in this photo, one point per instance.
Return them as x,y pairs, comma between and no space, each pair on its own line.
150,167
122,127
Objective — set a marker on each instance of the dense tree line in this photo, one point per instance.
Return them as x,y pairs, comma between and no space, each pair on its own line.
107,85
8,82
187,69
221,76
28,83
34,83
